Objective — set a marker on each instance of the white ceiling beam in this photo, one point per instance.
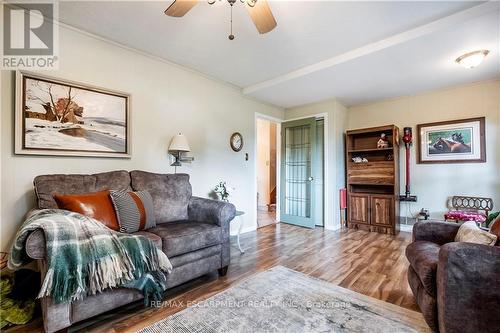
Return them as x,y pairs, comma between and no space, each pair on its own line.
408,35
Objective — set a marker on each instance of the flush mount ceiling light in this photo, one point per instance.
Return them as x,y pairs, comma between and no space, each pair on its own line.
259,11
472,59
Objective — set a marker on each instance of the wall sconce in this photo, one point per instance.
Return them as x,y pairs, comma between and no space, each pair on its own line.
178,146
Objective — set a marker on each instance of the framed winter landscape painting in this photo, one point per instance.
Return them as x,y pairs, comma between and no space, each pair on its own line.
457,141
58,117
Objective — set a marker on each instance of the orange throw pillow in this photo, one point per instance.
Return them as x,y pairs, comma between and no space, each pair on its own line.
97,205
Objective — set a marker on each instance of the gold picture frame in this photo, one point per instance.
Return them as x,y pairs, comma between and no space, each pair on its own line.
57,117
455,141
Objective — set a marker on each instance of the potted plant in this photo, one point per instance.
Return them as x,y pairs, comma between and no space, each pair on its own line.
223,191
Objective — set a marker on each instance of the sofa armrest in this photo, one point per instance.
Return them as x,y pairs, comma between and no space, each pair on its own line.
35,245
468,292
56,316
218,212
434,231
207,210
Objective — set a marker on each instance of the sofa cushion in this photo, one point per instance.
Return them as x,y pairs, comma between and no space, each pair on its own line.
171,193
195,256
47,185
152,237
424,257
184,236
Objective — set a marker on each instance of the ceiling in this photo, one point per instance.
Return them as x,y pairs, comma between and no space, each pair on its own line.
357,52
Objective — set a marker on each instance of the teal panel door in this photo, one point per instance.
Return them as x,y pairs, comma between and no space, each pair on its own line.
298,156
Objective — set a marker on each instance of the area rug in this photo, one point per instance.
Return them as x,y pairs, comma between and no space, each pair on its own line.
284,300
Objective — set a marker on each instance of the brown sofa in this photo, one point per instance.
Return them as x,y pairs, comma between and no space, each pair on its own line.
192,231
456,285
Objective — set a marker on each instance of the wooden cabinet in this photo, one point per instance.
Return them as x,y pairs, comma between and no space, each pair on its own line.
371,209
359,208
373,185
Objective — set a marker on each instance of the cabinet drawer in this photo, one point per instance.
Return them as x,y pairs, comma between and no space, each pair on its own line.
381,173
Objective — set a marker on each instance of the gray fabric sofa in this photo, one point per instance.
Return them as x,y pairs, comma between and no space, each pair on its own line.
455,284
192,231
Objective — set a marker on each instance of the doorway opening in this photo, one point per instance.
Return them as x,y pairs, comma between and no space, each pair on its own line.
267,145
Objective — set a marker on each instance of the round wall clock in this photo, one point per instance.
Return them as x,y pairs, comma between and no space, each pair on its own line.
236,141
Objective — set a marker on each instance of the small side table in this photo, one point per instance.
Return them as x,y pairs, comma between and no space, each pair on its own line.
239,214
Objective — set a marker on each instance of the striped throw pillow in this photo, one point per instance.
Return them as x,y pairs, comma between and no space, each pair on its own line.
134,210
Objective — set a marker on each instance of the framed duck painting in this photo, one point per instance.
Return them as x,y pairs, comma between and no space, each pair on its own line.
457,141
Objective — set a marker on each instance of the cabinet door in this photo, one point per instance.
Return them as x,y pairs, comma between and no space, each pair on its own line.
382,210
358,208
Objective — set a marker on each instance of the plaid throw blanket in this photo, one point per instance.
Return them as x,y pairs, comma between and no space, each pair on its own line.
85,257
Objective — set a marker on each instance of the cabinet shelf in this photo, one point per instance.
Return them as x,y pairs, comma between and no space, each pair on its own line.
369,150
367,183
369,164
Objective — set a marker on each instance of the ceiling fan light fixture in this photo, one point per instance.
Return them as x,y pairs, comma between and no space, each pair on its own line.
259,12
472,59
251,3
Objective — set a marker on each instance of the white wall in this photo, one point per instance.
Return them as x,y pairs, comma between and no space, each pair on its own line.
340,117
335,125
434,183
166,99
263,163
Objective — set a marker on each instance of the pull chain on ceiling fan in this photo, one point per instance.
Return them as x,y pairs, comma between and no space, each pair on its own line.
231,36
259,11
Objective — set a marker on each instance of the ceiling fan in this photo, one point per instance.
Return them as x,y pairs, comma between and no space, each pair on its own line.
259,11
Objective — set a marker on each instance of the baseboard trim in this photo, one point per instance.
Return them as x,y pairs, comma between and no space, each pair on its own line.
244,230
333,227
248,229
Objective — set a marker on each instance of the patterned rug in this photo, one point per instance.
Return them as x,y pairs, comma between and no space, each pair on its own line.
283,300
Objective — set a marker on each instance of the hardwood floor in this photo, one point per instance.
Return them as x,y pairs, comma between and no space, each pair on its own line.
265,218
369,263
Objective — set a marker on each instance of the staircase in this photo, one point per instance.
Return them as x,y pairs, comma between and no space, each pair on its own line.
272,199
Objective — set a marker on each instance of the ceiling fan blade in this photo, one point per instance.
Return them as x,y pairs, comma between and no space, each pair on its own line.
179,8
262,16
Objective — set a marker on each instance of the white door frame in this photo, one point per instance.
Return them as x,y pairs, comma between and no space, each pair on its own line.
328,219
278,122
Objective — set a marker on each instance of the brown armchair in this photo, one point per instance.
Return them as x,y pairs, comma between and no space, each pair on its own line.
456,285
